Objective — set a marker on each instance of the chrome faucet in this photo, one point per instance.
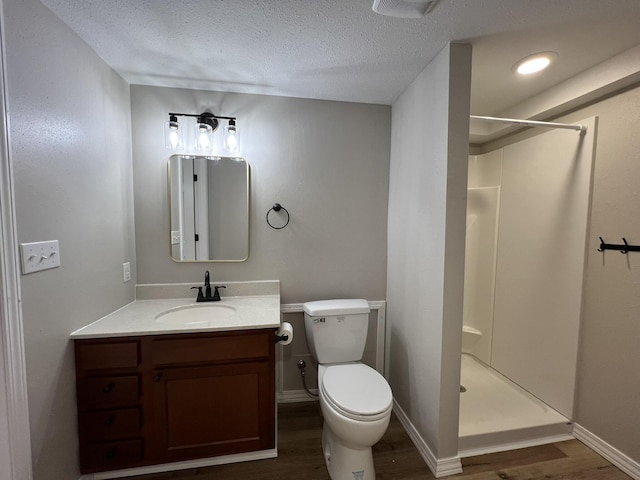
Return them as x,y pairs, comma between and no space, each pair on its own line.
207,297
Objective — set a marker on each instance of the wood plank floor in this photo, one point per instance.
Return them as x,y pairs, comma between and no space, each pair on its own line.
396,458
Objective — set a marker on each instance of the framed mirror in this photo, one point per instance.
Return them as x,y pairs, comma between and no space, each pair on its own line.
209,202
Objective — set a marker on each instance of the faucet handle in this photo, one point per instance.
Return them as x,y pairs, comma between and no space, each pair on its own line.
216,293
200,296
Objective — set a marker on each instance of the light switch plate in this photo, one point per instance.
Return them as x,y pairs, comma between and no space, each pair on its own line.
175,237
38,256
126,272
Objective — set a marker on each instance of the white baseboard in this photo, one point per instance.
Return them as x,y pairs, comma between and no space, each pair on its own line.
615,456
440,467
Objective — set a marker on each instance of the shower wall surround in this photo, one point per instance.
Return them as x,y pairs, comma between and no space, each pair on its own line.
483,196
545,187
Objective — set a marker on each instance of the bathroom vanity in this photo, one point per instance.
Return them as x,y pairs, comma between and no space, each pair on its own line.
153,393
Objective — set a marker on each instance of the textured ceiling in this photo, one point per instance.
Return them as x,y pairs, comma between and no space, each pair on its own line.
341,49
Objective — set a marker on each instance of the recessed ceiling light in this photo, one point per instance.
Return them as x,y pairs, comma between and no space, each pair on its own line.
534,63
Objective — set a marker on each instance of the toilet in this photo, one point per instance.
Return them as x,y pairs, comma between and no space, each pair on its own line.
355,400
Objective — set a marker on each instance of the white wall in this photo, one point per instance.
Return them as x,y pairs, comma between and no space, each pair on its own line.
69,132
608,380
326,162
427,203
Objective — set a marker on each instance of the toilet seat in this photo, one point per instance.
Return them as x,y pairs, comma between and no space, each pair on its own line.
357,391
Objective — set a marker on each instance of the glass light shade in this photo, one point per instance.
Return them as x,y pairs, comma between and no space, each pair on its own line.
172,134
231,142
204,132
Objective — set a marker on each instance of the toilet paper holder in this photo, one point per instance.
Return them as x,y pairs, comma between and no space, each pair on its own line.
284,334
281,338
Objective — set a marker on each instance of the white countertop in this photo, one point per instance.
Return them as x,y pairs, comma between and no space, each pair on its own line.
138,318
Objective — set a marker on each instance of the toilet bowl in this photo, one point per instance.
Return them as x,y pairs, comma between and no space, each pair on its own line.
356,404
355,400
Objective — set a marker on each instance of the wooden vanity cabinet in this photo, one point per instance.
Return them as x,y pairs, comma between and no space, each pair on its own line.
108,387
213,395
167,398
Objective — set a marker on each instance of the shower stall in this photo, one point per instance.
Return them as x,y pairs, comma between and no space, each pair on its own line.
527,217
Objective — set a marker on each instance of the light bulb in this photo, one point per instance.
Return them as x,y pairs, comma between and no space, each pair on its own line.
203,136
534,63
231,141
172,134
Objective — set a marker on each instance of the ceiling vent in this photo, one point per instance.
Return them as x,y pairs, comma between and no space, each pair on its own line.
404,8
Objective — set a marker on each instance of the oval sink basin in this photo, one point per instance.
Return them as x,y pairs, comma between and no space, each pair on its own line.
196,315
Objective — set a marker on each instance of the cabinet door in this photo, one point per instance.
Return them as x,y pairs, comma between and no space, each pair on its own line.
213,410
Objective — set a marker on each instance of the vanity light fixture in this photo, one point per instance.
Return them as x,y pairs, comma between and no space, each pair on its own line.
206,124
534,63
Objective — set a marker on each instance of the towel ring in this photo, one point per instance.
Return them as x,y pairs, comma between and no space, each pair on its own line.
276,208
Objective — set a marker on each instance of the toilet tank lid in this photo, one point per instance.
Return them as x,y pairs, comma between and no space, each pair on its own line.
345,306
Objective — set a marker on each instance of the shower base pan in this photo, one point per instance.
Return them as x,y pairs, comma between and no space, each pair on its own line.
498,415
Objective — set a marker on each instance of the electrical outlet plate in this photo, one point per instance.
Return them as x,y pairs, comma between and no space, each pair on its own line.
38,256
175,237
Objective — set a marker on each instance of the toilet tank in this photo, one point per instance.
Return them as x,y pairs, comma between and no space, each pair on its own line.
336,330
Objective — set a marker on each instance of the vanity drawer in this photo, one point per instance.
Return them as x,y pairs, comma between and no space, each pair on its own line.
214,348
108,355
97,391
105,424
97,457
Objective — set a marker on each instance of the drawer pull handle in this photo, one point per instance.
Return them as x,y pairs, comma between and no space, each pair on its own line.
157,377
111,454
109,421
108,388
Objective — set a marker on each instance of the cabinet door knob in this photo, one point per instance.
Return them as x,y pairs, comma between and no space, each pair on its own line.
111,454
108,388
157,377
109,421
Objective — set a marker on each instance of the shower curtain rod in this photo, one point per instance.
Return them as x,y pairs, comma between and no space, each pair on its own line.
532,123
